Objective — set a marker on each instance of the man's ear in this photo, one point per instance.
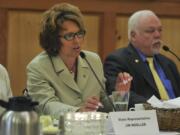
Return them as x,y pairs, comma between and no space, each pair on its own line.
133,34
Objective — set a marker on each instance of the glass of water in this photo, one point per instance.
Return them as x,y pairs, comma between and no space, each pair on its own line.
120,100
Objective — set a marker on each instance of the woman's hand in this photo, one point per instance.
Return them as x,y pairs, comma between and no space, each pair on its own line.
91,104
123,82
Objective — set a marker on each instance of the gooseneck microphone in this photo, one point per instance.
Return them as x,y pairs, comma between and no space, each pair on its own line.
82,54
166,48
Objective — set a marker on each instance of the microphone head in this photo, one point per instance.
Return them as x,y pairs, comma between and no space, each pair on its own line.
166,48
82,54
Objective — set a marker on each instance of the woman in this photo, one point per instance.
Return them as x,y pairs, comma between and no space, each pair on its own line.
59,78
5,89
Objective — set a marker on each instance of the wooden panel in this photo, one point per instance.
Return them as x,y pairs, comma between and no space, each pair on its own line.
170,35
23,43
166,7
92,36
3,35
107,37
121,31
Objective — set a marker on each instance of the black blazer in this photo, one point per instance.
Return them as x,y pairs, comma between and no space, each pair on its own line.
143,85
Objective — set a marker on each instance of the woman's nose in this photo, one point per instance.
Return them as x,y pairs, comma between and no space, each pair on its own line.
76,38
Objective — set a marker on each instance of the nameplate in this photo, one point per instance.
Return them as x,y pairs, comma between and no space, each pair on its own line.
133,123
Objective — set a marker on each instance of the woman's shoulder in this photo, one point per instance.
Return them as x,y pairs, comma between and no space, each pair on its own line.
92,57
90,54
40,58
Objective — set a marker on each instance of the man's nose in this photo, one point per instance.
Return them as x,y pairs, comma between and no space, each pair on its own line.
157,33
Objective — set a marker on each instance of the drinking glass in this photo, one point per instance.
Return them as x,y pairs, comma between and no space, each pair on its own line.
120,100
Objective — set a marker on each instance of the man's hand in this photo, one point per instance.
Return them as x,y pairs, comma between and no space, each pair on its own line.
123,82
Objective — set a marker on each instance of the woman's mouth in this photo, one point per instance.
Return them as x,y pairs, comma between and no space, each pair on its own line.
77,48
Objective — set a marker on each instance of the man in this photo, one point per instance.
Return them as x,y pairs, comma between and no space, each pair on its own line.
144,33
5,90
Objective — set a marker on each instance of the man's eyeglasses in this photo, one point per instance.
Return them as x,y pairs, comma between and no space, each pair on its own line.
71,36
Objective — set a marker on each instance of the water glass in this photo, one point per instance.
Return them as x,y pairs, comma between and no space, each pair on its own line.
120,100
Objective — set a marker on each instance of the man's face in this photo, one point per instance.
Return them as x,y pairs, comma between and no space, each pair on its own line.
147,35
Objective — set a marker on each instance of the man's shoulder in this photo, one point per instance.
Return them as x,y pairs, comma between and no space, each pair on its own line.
120,52
163,58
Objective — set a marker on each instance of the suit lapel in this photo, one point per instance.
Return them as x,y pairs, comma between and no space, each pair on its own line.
167,71
140,66
164,65
83,73
64,74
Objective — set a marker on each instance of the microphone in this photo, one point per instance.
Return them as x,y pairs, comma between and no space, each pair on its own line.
82,54
166,48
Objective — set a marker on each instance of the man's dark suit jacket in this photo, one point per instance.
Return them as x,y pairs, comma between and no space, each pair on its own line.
143,85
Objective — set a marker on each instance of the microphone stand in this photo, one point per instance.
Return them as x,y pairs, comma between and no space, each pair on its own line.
82,54
174,55
166,48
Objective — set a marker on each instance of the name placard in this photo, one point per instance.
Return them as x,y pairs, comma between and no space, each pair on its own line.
133,123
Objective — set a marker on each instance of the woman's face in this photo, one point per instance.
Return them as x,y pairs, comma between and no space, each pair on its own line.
71,39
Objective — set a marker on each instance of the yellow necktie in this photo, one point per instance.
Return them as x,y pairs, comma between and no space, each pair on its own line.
159,84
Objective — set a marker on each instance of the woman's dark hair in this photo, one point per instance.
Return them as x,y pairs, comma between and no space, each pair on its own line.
52,25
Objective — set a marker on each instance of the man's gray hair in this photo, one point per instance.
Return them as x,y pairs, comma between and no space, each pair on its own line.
135,18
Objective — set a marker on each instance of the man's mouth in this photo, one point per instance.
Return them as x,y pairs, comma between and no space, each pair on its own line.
157,43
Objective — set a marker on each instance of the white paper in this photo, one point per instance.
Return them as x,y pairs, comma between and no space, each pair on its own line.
155,102
134,123
168,104
173,103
